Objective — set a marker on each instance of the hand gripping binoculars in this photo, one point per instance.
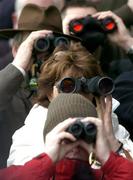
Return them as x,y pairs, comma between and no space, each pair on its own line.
96,85
48,43
85,131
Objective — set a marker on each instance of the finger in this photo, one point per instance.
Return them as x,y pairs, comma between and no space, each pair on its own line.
93,120
64,125
65,135
99,107
87,147
109,104
103,14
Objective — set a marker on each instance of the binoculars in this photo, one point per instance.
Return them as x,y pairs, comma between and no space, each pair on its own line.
92,31
88,23
96,85
85,131
48,43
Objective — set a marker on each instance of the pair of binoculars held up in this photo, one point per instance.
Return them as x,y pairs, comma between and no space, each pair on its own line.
49,43
88,23
96,85
92,31
85,131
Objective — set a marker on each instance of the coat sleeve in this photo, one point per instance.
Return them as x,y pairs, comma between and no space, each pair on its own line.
10,81
117,168
28,142
39,168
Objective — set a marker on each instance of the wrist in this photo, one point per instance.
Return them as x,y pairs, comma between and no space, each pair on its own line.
126,43
114,143
104,158
20,69
51,155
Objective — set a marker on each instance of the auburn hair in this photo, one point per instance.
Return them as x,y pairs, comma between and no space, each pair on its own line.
75,61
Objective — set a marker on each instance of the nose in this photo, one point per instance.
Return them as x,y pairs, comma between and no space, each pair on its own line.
76,150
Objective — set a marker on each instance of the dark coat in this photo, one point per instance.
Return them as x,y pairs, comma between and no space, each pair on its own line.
14,107
124,94
6,59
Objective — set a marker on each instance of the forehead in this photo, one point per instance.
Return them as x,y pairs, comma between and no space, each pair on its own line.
80,10
75,73
43,3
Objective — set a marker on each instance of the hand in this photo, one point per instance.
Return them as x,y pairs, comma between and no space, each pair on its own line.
56,145
23,58
104,109
130,4
121,35
101,148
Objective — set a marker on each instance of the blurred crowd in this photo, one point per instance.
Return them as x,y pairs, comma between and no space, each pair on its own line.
82,39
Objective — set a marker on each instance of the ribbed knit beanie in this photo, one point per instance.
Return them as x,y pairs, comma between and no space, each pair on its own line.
67,105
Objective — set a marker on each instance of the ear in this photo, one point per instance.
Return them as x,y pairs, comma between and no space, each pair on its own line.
14,20
54,94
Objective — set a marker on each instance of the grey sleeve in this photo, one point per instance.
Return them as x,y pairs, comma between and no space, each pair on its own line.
10,81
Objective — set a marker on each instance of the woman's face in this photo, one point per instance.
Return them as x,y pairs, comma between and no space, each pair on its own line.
56,91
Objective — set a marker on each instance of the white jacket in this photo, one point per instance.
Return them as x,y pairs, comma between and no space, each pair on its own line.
28,140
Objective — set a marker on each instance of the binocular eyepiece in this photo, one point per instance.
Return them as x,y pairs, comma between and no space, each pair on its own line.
85,131
49,43
96,85
88,23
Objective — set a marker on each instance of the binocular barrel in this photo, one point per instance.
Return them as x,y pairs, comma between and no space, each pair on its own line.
100,85
108,24
85,131
49,43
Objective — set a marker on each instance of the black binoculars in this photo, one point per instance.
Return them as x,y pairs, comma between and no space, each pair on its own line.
92,31
49,43
88,23
96,85
85,131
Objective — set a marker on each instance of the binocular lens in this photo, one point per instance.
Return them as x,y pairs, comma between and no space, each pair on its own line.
109,24
42,44
67,85
90,132
77,27
90,128
76,129
106,85
59,41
